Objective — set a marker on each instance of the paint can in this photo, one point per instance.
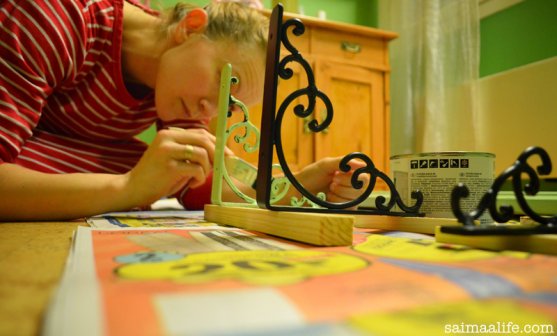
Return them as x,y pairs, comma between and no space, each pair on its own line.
436,174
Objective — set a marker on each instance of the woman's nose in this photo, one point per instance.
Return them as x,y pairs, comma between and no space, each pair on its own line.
207,109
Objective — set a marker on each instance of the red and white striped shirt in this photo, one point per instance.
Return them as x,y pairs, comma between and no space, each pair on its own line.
64,107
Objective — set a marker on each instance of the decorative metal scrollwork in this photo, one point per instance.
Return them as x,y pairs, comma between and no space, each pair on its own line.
311,91
249,129
506,212
272,123
250,133
246,134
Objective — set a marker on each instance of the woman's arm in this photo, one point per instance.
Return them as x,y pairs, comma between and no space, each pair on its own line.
175,158
29,195
321,176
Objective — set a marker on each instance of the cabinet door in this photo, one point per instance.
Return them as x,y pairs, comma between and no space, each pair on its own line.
359,120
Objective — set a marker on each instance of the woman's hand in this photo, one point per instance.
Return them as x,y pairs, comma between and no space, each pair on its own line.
325,176
176,157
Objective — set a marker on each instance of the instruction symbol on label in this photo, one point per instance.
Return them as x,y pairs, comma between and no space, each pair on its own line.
454,163
444,163
433,163
423,164
414,164
464,163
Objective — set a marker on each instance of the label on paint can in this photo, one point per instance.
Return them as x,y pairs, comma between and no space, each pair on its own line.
436,174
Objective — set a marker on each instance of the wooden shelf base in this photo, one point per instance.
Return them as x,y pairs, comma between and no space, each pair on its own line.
311,228
541,243
425,225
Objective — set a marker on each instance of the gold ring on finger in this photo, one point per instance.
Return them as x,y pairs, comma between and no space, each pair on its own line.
189,152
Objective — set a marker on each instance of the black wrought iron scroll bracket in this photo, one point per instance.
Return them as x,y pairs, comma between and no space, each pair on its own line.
271,138
546,224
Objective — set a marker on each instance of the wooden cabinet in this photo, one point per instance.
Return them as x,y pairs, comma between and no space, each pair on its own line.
359,122
351,66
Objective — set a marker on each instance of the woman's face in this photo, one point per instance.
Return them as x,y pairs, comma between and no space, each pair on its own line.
188,78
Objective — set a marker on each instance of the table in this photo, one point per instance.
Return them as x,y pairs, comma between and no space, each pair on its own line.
32,258
34,255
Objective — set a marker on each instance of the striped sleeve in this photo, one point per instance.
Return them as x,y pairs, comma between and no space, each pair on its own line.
41,43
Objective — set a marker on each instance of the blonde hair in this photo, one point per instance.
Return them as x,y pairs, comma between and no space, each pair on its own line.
229,22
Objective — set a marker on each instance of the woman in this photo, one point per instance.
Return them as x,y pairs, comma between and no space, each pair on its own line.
79,79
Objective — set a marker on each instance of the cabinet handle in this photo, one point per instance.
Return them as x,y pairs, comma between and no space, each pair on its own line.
323,116
310,118
306,125
351,47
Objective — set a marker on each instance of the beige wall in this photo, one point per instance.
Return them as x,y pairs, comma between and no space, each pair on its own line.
518,108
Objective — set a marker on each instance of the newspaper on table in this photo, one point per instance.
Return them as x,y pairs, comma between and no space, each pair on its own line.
210,281
151,219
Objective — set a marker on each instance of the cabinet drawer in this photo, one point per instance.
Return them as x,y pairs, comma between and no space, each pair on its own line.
344,46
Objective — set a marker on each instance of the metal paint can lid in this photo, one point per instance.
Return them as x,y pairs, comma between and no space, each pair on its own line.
449,153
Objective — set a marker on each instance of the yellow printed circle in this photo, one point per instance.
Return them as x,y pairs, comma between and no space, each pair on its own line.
486,317
253,267
425,250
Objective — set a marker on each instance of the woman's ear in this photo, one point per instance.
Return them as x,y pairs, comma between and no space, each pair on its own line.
195,21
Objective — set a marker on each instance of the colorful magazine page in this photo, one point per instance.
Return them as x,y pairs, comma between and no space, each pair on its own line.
235,282
152,219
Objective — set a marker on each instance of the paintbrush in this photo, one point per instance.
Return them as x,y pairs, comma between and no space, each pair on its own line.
241,170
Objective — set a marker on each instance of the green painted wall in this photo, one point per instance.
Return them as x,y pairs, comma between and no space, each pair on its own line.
148,135
362,12
518,35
